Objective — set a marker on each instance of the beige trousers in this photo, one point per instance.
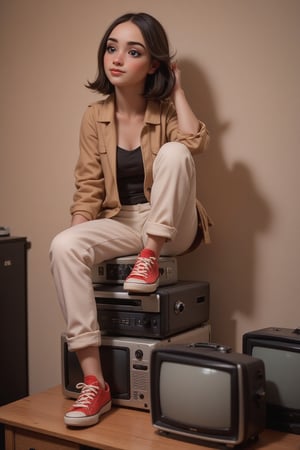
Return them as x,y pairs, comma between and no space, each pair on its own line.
171,213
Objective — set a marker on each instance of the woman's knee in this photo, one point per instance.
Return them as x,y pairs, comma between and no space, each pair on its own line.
174,146
175,154
62,244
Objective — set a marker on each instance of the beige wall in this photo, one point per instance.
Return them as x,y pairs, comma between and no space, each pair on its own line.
240,63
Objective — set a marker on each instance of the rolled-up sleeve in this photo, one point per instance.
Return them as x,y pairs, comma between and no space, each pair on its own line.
196,143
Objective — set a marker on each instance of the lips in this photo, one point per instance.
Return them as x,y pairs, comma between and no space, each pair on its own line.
116,72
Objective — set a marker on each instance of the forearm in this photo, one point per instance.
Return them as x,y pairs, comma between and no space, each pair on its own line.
187,121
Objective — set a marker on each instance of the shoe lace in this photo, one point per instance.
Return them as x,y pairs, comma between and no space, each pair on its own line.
143,265
87,395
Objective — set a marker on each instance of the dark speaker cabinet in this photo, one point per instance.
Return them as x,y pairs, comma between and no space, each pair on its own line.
13,319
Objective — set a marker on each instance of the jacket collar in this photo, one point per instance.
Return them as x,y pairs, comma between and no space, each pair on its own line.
107,114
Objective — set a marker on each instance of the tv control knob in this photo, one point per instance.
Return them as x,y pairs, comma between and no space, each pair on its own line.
179,307
139,354
146,323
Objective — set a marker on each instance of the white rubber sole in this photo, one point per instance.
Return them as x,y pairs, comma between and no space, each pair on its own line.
142,288
86,421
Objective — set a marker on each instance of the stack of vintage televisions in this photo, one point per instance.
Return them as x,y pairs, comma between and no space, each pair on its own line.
133,325
157,355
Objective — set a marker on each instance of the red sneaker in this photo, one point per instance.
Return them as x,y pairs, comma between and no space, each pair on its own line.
93,401
144,276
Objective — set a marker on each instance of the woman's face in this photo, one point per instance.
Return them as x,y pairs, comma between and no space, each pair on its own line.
127,61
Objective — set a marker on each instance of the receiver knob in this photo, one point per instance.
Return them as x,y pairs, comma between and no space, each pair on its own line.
139,354
179,307
146,322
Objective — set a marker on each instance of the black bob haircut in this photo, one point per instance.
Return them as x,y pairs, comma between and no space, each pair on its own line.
158,85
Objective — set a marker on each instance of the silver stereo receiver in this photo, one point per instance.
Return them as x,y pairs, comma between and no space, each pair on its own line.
126,365
169,310
115,271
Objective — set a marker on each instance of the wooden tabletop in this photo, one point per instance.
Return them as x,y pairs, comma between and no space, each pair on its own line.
120,429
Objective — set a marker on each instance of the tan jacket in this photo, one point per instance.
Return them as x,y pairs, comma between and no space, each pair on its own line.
96,193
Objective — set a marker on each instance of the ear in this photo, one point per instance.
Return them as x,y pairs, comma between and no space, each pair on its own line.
154,66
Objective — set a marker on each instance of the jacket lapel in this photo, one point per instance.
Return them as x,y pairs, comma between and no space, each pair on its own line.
107,131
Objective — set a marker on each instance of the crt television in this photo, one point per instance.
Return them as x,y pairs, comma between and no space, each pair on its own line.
207,392
279,349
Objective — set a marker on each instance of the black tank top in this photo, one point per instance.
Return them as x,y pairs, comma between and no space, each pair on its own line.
130,176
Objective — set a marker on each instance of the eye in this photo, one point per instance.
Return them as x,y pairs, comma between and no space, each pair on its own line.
134,53
110,49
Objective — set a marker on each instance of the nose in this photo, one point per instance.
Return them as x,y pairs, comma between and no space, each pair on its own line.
118,59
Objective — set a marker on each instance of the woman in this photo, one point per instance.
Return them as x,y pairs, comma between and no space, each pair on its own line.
135,188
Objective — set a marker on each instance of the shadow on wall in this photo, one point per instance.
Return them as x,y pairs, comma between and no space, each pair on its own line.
239,213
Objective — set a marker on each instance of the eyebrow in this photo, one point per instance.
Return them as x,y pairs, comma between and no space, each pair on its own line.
128,43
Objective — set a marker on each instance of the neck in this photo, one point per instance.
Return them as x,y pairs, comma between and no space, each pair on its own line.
129,103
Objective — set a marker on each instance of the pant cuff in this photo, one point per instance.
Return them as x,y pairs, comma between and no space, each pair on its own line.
90,339
158,229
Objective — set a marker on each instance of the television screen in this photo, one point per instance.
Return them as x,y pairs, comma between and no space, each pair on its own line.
279,349
116,368
207,386
282,371
115,365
